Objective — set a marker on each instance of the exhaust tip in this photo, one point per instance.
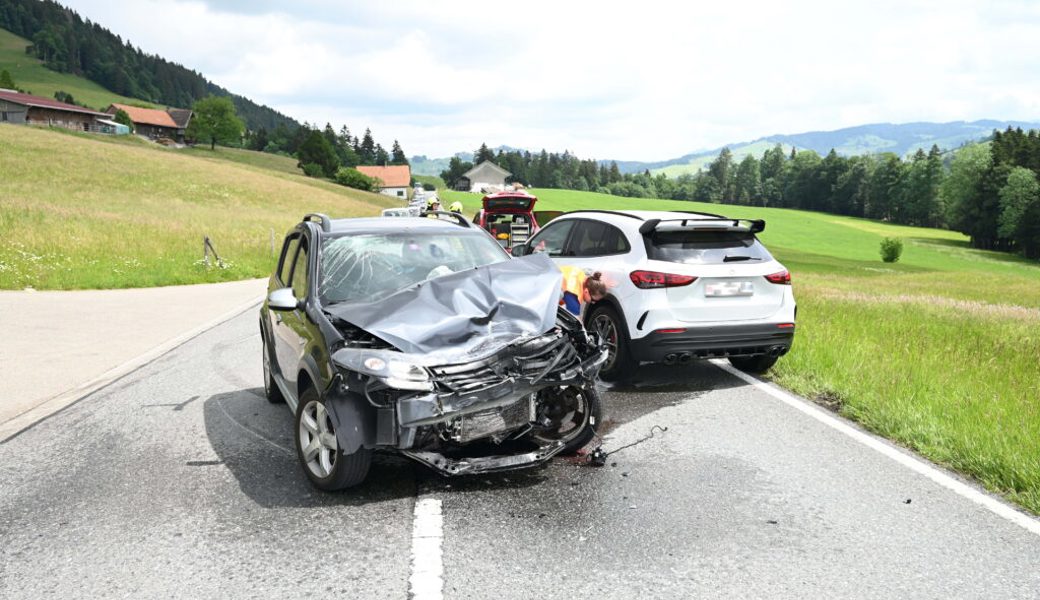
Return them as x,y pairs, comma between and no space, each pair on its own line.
685,358
670,359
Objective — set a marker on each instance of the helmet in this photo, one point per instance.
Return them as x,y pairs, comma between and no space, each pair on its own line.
456,206
430,202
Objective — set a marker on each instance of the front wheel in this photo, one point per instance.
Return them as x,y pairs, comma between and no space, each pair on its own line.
753,364
568,414
606,323
328,468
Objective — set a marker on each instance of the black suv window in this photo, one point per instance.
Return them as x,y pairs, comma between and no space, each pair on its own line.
552,238
705,247
299,274
286,262
594,238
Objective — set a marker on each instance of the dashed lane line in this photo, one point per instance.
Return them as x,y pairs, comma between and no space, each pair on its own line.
427,577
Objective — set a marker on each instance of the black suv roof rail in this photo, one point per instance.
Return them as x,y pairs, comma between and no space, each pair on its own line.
456,218
753,225
326,222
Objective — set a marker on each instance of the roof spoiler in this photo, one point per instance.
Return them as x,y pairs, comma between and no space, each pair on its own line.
749,225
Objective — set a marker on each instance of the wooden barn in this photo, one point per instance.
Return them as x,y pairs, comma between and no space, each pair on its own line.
155,123
26,109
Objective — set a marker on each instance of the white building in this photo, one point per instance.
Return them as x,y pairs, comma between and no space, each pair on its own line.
393,180
484,178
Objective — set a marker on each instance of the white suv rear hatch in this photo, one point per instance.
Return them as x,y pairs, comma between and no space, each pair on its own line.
730,266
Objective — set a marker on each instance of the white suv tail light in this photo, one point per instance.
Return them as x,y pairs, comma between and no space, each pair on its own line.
780,278
648,280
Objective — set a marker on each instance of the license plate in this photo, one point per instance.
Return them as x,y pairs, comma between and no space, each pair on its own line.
729,288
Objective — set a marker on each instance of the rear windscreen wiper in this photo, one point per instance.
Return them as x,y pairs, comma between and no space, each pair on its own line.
736,258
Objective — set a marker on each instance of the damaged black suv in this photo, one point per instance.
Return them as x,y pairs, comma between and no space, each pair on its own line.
423,336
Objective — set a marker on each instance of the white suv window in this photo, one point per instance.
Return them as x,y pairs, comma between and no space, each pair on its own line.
552,238
705,247
594,238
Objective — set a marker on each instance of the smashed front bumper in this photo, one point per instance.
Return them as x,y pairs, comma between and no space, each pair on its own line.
494,398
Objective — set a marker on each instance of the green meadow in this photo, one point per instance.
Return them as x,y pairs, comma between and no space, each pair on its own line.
939,352
86,211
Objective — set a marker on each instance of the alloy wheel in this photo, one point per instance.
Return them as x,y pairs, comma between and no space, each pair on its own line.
605,328
318,446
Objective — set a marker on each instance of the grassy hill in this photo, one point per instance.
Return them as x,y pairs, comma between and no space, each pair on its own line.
30,75
937,351
86,211
700,161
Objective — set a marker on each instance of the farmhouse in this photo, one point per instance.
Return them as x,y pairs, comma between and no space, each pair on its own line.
483,178
393,180
155,123
25,109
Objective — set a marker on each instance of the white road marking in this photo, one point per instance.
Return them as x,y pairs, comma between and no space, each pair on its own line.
913,463
426,582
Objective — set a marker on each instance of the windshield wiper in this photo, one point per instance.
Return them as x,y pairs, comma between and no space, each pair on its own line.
736,258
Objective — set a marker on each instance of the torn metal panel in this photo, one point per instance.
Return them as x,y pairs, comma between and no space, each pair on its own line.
465,313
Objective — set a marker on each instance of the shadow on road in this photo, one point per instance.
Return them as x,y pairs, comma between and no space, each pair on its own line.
254,439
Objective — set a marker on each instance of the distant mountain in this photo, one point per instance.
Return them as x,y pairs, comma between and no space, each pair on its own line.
900,139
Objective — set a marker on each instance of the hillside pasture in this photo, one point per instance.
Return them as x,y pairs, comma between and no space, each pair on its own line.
86,211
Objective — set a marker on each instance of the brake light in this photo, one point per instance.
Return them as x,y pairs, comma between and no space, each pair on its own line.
648,280
785,325
781,278
676,330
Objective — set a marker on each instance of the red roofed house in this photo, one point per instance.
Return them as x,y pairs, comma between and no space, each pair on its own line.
25,109
155,123
393,180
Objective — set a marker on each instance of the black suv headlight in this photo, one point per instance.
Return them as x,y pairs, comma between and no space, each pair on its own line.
395,369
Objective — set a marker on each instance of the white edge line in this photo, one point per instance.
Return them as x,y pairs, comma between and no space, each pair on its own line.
909,461
427,578
53,404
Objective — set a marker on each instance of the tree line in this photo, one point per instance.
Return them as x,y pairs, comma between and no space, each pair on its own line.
68,44
988,191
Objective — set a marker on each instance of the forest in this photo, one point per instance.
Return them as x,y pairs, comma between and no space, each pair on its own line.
988,191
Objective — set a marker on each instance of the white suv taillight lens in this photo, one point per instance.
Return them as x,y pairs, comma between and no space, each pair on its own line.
781,278
648,280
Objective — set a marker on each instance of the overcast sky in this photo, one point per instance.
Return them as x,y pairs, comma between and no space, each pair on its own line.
638,80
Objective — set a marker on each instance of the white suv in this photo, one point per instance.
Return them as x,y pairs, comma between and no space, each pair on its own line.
680,286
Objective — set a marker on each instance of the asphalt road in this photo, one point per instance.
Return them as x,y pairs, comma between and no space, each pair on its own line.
180,481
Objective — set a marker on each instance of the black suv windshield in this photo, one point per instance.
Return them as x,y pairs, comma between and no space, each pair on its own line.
368,267
705,247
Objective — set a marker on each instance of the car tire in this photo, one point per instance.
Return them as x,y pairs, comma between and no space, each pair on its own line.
272,392
605,321
317,448
753,364
586,412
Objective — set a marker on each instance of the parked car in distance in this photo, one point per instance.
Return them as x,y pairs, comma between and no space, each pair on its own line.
681,286
421,336
510,217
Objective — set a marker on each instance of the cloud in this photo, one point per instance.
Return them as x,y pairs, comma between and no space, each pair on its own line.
648,80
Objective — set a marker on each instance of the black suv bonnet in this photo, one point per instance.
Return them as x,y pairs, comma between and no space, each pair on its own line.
466,312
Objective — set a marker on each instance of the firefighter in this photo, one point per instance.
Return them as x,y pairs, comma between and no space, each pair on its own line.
456,207
580,289
433,203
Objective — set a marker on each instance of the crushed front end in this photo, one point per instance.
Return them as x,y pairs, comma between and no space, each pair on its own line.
504,404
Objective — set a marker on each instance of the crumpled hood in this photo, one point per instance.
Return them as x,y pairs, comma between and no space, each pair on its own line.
465,313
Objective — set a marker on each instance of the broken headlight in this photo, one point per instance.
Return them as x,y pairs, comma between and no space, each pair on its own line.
392,368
